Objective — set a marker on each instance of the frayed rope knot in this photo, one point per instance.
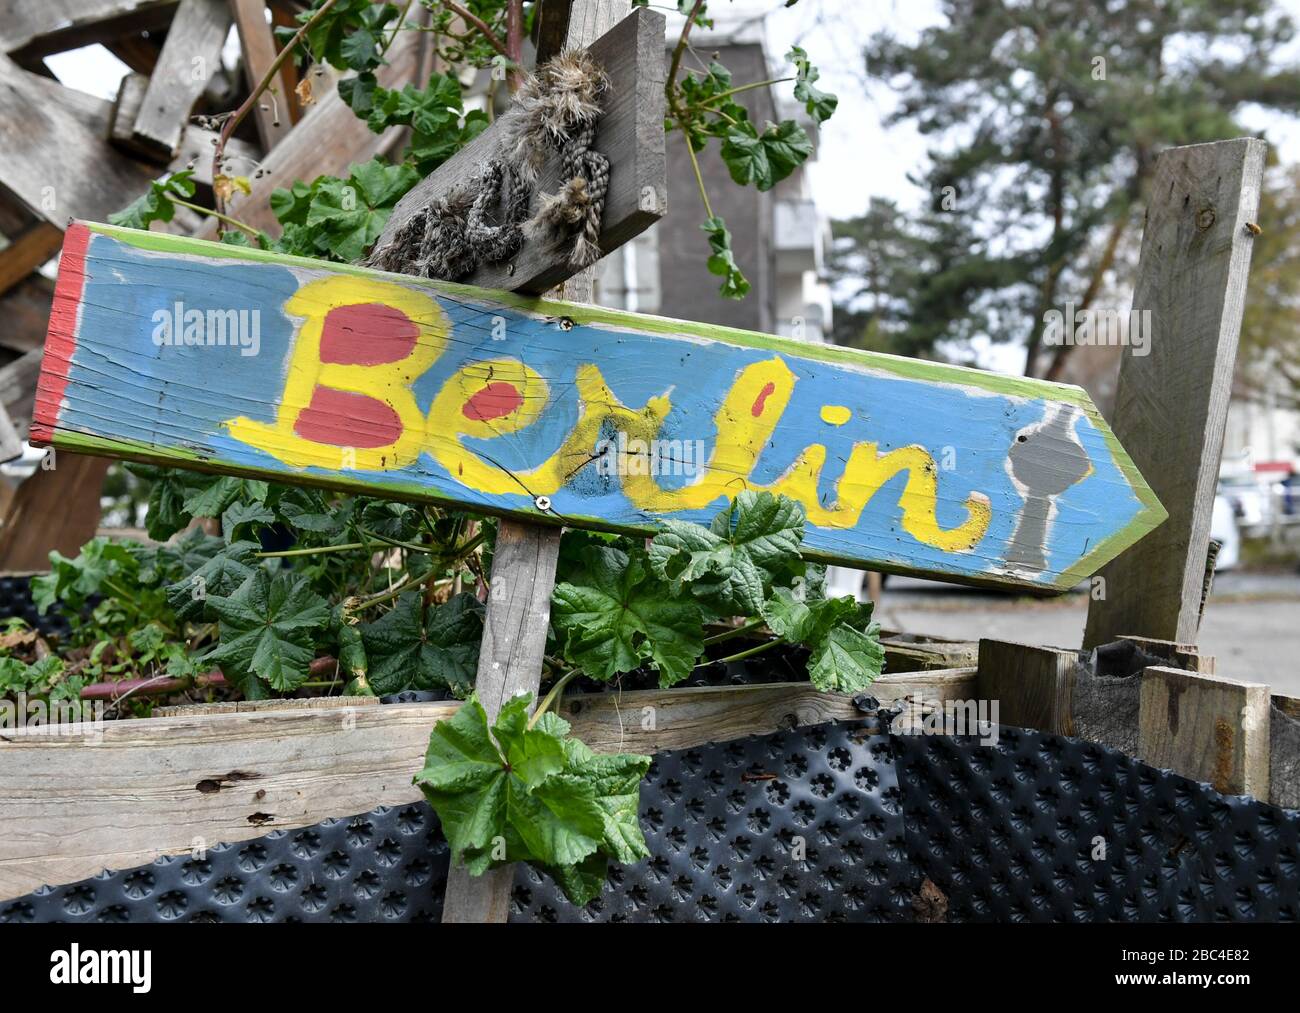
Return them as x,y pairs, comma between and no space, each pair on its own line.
555,112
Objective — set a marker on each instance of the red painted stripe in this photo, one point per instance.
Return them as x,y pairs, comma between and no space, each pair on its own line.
61,339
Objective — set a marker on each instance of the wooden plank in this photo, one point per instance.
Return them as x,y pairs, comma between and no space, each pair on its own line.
1033,685
1284,752
1207,728
130,99
57,160
11,443
916,654
25,316
328,139
18,387
125,792
189,58
271,114
33,29
1186,657
53,509
630,134
26,252
524,388
1172,403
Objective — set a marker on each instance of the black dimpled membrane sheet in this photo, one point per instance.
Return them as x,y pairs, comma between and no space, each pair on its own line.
16,603
1041,828
828,823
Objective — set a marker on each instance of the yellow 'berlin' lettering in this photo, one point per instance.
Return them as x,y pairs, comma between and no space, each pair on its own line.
503,396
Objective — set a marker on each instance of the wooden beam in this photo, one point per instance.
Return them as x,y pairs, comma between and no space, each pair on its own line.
579,399
25,315
130,98
189,58
630,134
26,252
56,157
11,443
53,509
122,793
1172,402
1187,657
514,663
18,386
271,114
30,31
328,139
1207,728
1284,752
1033,685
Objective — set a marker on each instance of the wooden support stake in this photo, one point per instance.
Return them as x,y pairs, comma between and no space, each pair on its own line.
189,58
523,566
1033,685
1207,728
1172,403
271,114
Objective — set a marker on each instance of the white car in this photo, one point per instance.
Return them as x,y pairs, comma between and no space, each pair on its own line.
1223,529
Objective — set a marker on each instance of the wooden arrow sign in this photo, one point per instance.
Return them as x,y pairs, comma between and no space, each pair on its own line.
176,351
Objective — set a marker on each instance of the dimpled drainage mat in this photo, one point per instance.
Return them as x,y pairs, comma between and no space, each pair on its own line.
798,826
16,602
1042,828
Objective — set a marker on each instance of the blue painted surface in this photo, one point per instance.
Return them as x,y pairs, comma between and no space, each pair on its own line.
197,389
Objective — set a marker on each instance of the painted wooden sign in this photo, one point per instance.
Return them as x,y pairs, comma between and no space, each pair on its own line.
176,351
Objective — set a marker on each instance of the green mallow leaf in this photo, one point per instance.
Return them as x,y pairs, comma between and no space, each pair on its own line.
722,260
623,616
515,793
413,647
268,630
220,576
731,565
819,104
157,204
848,660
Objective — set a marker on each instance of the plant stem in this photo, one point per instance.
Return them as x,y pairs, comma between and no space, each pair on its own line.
680,48
739,631
550,697
217,215
745,87
401,20
699,179
228,128
744,654
478,23
312,552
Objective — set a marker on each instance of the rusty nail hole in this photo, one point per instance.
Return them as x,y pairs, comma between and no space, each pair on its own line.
1204,218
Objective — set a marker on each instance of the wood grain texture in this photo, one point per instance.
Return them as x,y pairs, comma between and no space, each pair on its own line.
18,387
189,58
271,114
1207,728
630,134
514,639
1284,752
11,443
126,107
618,419
32,29
1172,404
1187,657
1033,685
125,792
54,509
26,252
328,139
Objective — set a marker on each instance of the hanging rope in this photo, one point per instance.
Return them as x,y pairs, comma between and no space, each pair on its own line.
554,113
